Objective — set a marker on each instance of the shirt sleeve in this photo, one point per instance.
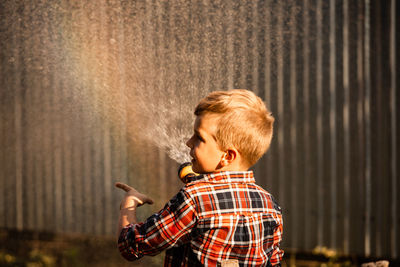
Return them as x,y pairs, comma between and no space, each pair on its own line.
170,226
277,253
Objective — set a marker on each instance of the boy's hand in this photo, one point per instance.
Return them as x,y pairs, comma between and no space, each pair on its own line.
133,198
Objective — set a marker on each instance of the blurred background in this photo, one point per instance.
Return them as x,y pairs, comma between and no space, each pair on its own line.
94,92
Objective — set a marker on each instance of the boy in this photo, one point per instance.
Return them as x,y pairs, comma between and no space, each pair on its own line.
221,217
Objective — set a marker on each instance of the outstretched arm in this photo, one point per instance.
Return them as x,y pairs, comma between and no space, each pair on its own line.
169,226
131,201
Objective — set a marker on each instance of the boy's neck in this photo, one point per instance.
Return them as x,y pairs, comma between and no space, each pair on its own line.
233,168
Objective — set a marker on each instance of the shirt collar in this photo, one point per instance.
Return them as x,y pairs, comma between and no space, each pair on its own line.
226,177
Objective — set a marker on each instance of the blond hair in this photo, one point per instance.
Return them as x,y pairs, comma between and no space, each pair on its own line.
244,122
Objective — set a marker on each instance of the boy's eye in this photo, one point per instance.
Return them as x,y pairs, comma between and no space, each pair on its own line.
199,137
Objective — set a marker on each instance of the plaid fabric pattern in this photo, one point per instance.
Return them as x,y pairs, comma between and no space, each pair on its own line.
217,217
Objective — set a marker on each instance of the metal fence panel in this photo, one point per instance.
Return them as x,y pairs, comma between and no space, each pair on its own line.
95,92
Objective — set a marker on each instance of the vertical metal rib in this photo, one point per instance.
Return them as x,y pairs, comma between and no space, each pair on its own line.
359,212
280,105
267,63
255,54
220,45
207,81
67,143
393,112
18,130
94,209
230,46
39,138
107,149
367,114
3,116
306,140
123,142
87,218
346,127
80,145
293,132
267,80
319,119
18,162
8,123
161,79
28,127
332,120
240,47
56,147
377,137
66,128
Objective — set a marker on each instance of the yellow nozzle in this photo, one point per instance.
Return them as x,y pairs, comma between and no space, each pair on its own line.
185,172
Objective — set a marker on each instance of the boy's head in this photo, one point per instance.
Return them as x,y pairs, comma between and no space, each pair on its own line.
233,129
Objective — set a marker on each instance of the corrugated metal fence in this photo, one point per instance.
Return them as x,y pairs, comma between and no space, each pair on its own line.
93,91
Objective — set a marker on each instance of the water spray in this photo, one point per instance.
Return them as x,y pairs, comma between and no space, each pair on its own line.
186,173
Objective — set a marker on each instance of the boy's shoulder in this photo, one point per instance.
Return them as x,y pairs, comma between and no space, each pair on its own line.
205,189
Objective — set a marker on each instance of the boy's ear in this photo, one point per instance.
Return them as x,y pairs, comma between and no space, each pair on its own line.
229,156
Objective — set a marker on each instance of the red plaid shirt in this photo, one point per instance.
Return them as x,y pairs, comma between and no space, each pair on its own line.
214,218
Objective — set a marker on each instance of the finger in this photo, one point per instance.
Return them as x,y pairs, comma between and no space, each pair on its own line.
144,199
138,200
123,186
149,200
